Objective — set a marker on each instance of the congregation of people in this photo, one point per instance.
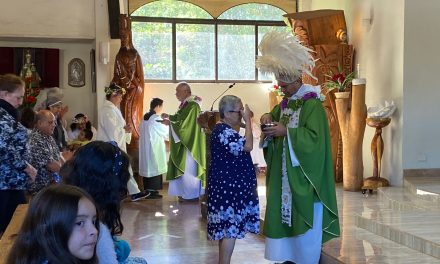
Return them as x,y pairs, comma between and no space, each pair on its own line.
86,173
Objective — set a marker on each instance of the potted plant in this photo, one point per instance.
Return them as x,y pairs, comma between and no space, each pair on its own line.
340,82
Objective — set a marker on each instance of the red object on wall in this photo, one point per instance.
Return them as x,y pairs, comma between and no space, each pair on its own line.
51,66
46,61
6,60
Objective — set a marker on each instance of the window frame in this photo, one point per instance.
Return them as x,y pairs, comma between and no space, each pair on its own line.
215,22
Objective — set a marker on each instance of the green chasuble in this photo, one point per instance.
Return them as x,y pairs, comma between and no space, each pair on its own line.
184,124
310,182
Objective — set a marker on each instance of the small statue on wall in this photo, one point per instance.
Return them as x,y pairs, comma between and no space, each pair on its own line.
128,73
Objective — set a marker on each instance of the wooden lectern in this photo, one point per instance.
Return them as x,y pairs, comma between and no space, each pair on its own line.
207,121
324,31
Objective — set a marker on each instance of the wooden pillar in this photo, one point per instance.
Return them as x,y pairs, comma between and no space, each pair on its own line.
352,125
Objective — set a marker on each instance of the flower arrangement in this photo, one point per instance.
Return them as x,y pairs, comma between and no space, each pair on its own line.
338,80
31,80
275,88
31,93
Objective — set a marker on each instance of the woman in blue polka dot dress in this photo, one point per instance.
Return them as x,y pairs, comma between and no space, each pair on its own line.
233,208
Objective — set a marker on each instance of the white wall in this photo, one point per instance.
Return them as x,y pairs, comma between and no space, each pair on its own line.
379,46
48,19
379,51
103,71
421,88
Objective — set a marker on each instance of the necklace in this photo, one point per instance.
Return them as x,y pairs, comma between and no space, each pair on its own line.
289,106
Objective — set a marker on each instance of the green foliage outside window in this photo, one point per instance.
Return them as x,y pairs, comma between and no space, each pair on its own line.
253,12
171,9
195,42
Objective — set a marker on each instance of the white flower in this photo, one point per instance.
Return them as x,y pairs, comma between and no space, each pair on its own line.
287,112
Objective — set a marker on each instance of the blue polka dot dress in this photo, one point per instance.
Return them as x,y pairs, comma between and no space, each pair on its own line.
233,208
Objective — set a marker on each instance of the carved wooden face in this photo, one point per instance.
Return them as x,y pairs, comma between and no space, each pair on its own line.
124,29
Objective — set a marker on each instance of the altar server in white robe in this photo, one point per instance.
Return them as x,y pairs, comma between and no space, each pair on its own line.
152,149
112,127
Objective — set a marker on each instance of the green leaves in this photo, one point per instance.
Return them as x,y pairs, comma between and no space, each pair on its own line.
339,80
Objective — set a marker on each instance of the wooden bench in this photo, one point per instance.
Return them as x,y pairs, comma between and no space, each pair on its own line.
11,231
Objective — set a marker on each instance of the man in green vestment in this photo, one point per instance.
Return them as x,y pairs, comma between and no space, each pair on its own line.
187,162
301,210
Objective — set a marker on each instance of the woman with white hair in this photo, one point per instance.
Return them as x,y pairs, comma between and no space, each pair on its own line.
233,208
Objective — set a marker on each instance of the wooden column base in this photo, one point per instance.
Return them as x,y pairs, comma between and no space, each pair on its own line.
372,183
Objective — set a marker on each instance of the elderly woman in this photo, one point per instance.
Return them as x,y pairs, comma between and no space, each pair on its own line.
232,185
14,169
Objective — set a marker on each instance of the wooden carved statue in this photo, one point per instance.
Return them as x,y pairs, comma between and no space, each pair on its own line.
128,73
324,31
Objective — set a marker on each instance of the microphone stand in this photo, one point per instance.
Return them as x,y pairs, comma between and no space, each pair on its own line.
229,87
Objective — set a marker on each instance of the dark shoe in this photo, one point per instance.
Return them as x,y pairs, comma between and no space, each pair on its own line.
153,191
139,196
154,196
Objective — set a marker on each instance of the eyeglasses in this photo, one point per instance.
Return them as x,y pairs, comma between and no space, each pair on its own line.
287,85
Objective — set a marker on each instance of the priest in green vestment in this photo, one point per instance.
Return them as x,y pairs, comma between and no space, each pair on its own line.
301,210
187,162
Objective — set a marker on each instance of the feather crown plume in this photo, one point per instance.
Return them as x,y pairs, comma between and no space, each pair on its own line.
283,55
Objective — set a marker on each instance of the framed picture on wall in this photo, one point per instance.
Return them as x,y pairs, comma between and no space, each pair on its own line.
76,72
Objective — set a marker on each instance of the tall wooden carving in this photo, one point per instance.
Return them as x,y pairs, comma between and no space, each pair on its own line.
128,73
324,31
351,117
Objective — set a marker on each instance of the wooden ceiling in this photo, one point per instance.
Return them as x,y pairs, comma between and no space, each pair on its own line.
217,7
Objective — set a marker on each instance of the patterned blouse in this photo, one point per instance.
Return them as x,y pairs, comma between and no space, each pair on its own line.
42,149
13,137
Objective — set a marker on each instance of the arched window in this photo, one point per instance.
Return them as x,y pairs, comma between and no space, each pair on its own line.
181,41
171,9
253,12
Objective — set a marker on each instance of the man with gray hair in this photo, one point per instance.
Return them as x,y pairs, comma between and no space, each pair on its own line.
187,163
44,153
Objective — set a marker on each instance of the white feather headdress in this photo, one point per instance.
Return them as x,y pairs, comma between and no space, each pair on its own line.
283,55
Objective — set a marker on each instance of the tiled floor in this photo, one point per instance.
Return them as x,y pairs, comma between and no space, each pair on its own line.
168,231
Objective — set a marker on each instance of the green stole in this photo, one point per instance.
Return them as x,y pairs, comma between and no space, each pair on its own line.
192,138
310,182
